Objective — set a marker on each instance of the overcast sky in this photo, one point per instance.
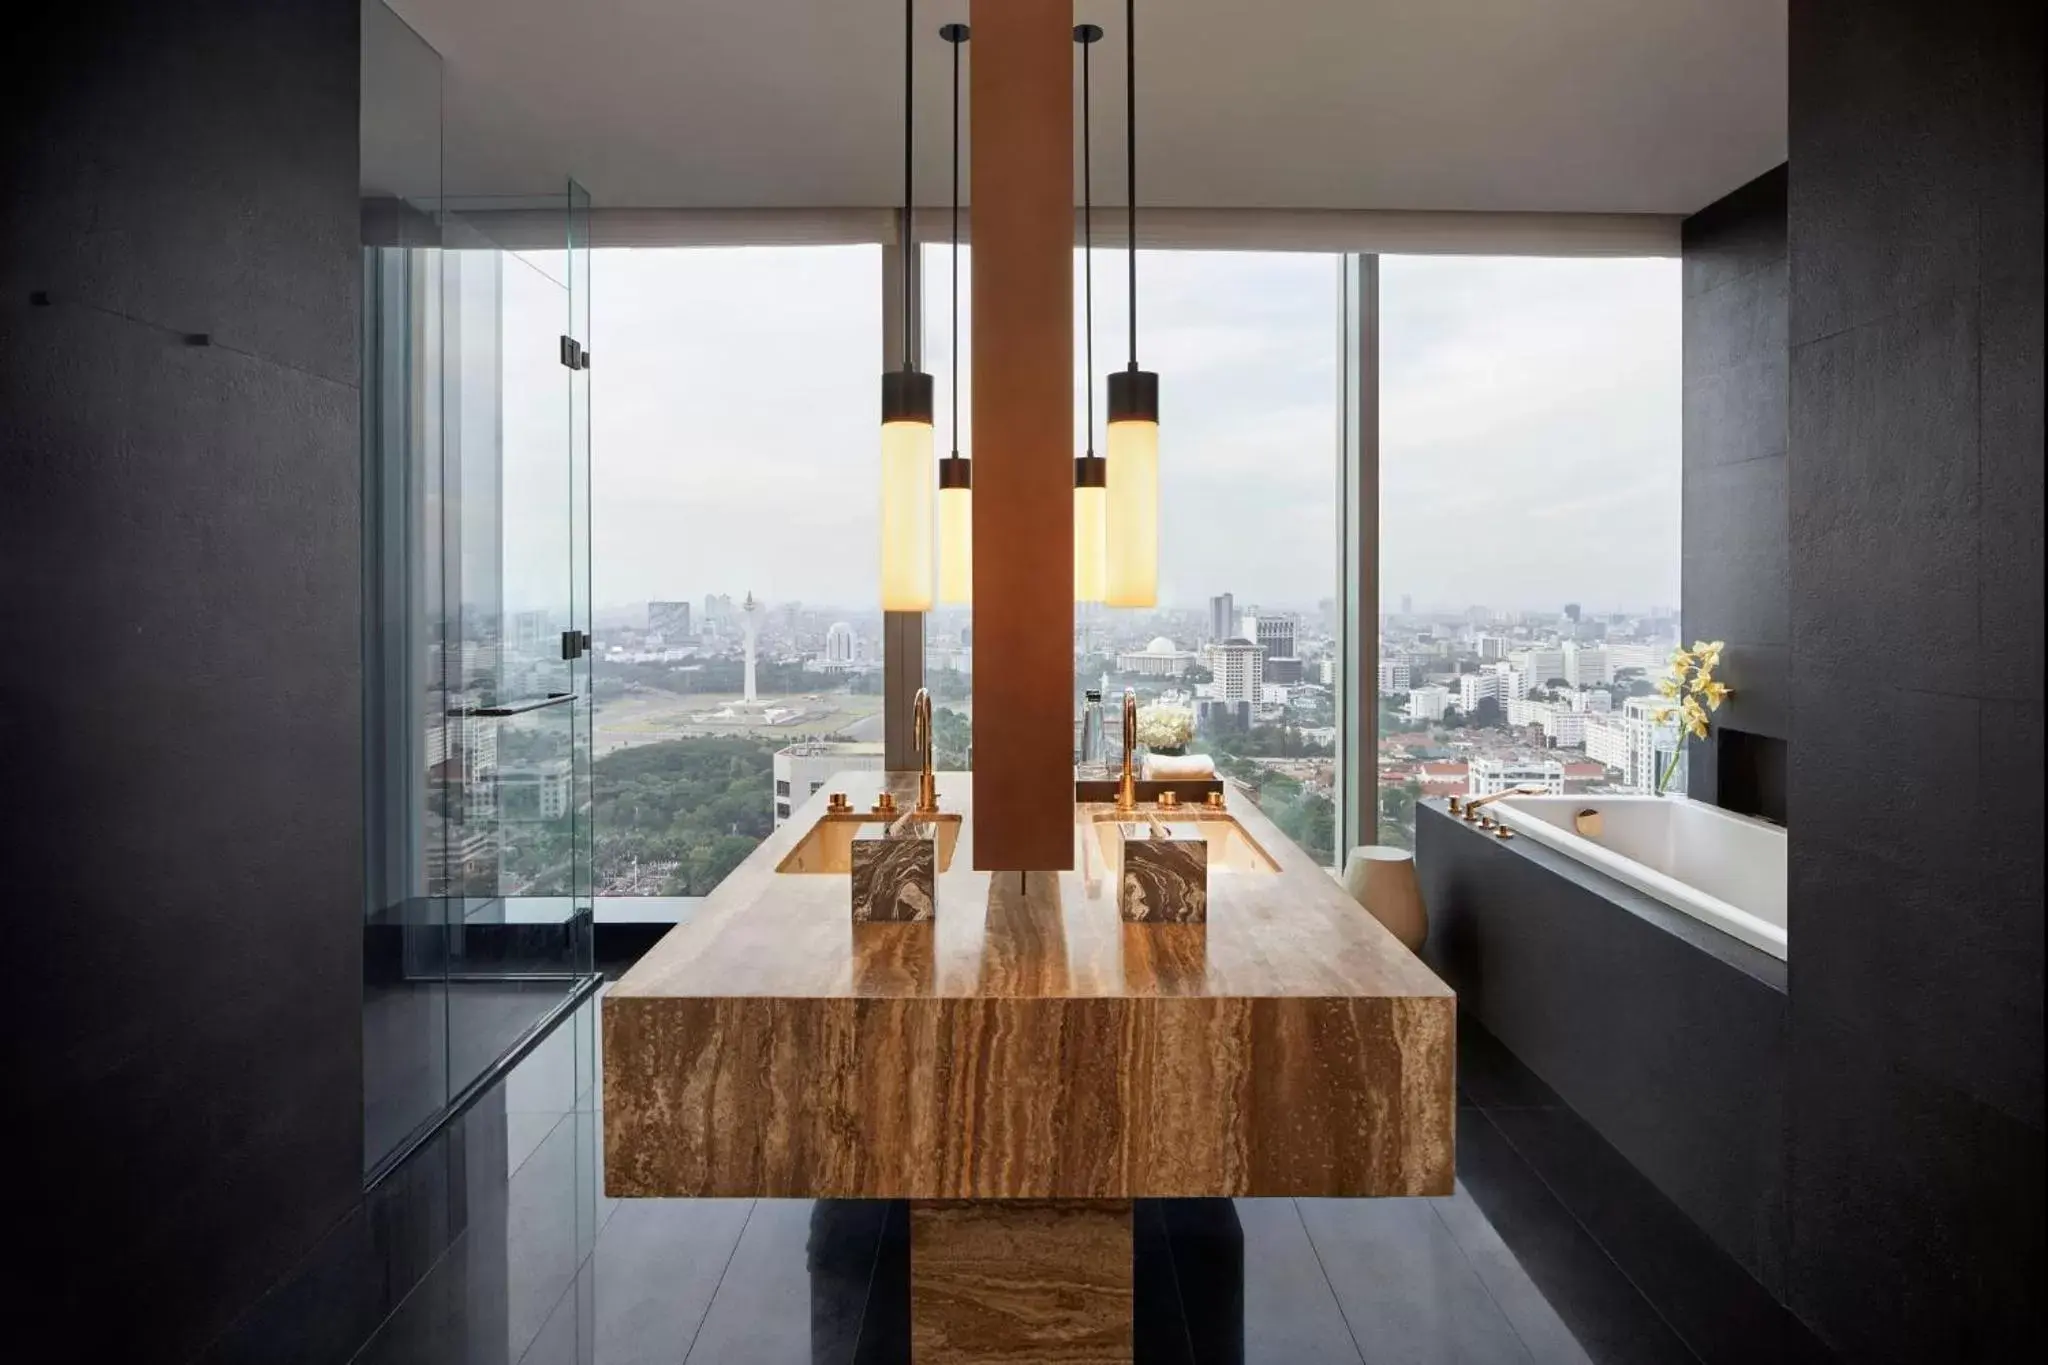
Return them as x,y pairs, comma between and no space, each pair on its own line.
1530,424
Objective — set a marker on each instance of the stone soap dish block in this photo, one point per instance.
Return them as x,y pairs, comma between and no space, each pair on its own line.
895,872
1164,878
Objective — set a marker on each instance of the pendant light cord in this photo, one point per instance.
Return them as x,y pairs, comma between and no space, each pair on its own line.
1088,245
909,20
956,250
1131,158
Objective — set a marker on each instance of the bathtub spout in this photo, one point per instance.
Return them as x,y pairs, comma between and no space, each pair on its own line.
1471,808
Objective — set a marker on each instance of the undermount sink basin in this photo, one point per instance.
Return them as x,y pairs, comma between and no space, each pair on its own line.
1231,847
828,846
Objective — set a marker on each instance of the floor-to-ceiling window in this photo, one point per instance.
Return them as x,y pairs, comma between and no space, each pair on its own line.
1529,486
1245,635
737,657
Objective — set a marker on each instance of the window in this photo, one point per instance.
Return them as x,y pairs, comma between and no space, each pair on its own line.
1247,349
1530,476
735,511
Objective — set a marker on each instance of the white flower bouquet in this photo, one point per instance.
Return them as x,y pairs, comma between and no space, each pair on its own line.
1164,727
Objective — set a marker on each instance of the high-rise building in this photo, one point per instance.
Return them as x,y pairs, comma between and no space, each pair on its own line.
1237,666
1281,669
1514,683
1490,647
1222,617
1407,604
1272,633
1476,687
801,769
1396,675
839,643
1487,776
669,620
1428,703
1585,665
1539,665
1652,745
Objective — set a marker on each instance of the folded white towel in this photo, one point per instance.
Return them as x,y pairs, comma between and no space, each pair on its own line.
1170,767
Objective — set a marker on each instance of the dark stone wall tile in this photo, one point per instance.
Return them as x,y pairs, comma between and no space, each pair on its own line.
1741,232
1740,324
184,167
1884,499
1916,1211
1735,517
1884,140
1901,789
1735,556
2010,547
2009,143
180,527
1738,412
1915,458
1939,971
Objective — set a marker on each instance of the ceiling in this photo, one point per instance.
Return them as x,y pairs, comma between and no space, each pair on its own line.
1609,106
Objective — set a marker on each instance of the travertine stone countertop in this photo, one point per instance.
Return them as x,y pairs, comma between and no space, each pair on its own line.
1028,1044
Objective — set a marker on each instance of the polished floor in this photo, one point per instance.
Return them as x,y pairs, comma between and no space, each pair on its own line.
1551,1250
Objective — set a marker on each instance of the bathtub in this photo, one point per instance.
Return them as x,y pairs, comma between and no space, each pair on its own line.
1724,870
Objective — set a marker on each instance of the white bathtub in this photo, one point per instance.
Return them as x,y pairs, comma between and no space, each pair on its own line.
1722,869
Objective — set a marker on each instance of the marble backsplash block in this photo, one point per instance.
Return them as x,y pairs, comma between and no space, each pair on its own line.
1164,878
895,871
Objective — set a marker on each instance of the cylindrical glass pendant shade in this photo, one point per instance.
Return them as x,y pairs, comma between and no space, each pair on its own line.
1133,560
1091,529
956,531
907,478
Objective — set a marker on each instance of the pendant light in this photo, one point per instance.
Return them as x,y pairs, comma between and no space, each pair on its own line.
956,475
1133,579
1091,483
907,423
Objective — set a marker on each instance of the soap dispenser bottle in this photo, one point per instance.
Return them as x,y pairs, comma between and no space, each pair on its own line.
1091,755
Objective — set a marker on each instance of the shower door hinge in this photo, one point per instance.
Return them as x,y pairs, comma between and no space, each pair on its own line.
573,355
575,643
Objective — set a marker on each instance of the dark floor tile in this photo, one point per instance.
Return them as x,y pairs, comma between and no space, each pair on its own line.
1491,1077
1708,1299
487,1299
643,1294
1253,1287
1565,1297
1158,1313
885,1325
797,1284
1406,1287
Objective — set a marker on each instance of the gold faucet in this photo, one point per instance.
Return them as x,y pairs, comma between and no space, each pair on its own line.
1127,786
1471,808
921,739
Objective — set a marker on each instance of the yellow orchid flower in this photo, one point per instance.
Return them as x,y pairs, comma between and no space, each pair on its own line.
1695,716
1667,687
1681,661
1662,715
1715,693
1701,679
1708,652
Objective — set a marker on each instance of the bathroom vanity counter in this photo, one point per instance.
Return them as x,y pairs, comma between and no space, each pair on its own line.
1028,1044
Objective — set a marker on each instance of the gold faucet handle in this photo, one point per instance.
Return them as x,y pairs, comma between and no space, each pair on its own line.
1169,799
885,804
837,804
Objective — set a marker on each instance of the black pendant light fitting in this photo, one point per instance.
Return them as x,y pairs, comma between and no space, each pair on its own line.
955,471
907,393
1090,470
1133,393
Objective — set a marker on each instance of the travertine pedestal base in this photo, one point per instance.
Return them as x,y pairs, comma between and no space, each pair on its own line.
1020,1280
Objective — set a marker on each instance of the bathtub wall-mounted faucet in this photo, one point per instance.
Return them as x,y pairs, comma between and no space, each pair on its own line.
1470,810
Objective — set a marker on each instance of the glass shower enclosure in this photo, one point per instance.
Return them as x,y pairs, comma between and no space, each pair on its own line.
477,717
